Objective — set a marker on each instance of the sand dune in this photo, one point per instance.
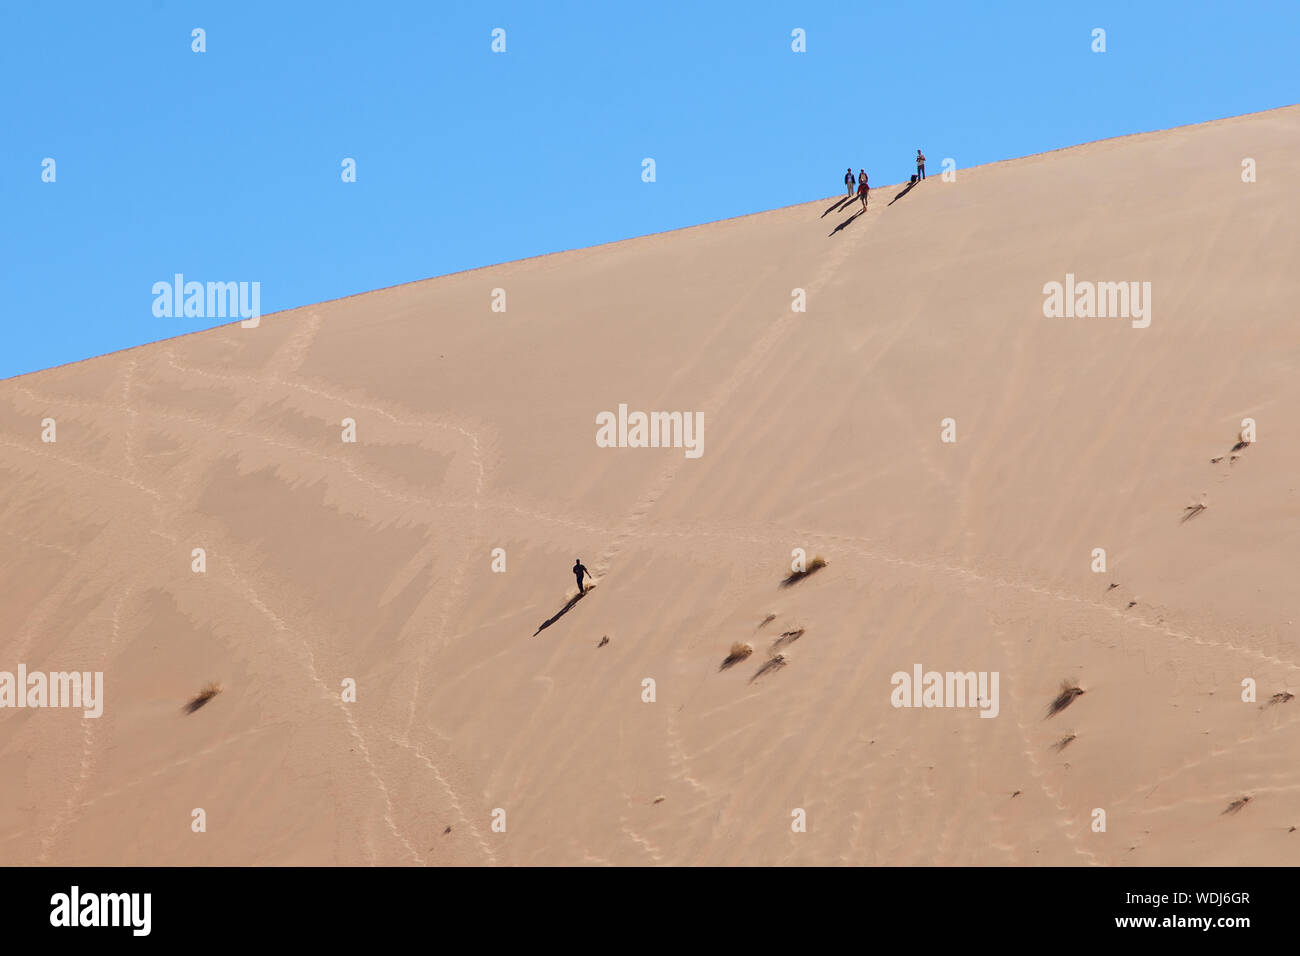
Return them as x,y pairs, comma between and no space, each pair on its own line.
373,561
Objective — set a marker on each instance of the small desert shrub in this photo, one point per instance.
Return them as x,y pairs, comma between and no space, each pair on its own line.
816,564
1069,691
1237,804
775,663
788,637
738,653
209,691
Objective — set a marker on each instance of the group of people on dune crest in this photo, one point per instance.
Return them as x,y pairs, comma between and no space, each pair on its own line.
863,188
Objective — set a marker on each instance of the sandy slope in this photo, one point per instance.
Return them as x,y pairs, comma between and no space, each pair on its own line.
476,429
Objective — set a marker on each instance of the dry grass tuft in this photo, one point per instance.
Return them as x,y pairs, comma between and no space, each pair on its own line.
738,653
209,691
1236,805
795,577
1069,691
776,663
788,637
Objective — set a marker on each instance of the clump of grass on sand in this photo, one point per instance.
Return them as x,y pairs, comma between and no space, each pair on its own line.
1237,804
209,691
1069,691
1281,698
776,663
1064,741
816,564
788,637
767,620
738,653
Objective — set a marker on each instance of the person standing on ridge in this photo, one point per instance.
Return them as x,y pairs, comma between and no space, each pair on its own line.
848,180
920,165
863,188
579,570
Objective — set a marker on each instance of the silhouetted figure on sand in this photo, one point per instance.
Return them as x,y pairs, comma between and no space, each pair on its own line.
579,570
920,165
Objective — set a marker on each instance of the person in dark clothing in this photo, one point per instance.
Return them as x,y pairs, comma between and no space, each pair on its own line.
579,570
920,165
848,180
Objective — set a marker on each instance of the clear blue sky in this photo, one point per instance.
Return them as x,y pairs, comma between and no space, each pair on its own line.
225,165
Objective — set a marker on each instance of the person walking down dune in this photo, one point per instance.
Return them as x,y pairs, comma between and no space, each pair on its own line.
579,570
920,165
848,180
863,189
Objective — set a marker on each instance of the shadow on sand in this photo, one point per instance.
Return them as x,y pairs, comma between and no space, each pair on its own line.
906,189
560,613
845,222
838,205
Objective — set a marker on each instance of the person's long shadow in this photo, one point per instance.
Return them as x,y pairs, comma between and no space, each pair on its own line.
838,204
845,223
560,613
906,189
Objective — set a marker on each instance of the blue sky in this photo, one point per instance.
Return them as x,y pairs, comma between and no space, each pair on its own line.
225,165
